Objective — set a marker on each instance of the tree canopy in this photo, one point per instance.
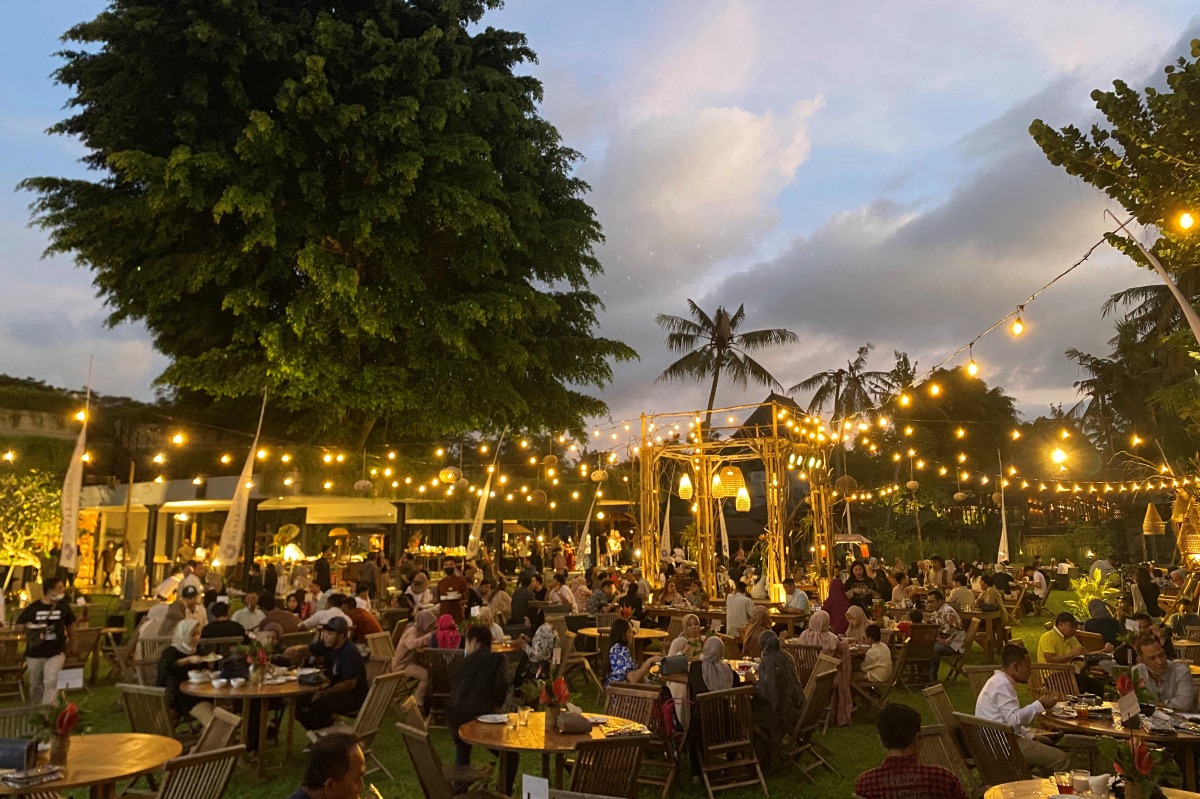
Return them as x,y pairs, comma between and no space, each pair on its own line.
354,204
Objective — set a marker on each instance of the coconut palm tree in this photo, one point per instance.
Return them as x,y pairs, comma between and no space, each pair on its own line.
712,346
846,391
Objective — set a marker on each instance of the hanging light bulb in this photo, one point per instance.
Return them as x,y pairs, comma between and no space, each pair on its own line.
1018,327
685,487
972,367
742,501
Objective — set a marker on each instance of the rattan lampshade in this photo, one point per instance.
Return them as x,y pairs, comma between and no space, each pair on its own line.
1189,532
1153,523
726,482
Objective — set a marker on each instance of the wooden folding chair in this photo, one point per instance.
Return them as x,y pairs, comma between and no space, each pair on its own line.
939,748
604,621
566,647
1014,606
81,646
978,676
805,658
876,694
199,776
12,666
380,645
921,638
442,664
800,745
147,710
1056,677
960,659
608,766
994,749
727,740
218,732
642,702
300,637
369,719
1191,633
220,646
17,722
431,773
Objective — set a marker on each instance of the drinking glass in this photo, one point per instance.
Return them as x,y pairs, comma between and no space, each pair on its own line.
1081,780
512,725
1062,781
523,714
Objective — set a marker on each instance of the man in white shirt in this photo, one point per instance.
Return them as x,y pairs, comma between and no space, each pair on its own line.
998,702
877,663
193,609
333,608
643,586
794,599
251,616
1102,565
190,577
738,610
1040,586
561,594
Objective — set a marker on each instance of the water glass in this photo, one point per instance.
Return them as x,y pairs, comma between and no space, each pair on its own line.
512,721
1081,781
523,714
1062,781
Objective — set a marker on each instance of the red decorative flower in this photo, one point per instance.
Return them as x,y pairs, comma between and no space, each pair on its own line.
1142,759
67,719
561,693
1124,684
626,613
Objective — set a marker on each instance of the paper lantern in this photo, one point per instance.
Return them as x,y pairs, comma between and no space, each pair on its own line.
685,487
550,460
363,486
1153,523
450,474
742,501
462,483
997,497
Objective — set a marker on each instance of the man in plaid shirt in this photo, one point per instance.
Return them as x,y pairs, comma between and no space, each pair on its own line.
901,775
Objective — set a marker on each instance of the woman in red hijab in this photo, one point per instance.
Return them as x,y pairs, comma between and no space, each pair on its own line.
836,605
447,635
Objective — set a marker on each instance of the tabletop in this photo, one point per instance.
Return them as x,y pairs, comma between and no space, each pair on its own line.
643,633
1041,789
533,737
105,758
205,690
1106,726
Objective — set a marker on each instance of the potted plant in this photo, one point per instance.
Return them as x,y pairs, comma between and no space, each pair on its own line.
55,727
548,697
1145,771
258,658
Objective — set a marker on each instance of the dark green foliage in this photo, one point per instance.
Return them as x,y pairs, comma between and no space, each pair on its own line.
355,204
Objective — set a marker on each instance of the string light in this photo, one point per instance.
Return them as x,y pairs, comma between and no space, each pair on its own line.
972,367
1018,326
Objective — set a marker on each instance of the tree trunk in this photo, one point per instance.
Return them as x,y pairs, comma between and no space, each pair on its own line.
712,393
364,431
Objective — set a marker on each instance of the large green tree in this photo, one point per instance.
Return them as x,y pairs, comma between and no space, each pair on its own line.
355,204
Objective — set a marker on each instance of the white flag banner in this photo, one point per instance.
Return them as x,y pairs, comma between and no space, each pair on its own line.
1002,550
72,485
587,523
476,538
234,530
724,532
665,547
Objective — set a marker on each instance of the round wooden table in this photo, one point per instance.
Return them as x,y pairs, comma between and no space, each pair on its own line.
1183,746
1040,789
642,635
289,691
534,738
97,762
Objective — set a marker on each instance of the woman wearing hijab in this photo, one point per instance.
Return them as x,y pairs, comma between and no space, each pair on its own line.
409,658
760,622
856,627
778,699
418,592
836,605
173,666
817,634
689,641
1102,622
484,618
709,673
447,635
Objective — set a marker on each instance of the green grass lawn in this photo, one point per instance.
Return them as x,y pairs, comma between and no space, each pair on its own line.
855,748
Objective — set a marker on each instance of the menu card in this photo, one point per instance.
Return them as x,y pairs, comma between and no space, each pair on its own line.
1128,706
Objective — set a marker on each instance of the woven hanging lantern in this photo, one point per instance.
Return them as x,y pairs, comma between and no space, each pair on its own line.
1189,533
1153,523
846,484
536,498
1180,507
599,476
450,474
685,487
742,502
727,482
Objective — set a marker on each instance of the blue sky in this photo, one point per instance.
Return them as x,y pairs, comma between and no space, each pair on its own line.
854,172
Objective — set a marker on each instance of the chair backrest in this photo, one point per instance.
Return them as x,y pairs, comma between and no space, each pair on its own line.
1058,677
1092,642
629,703
994,749
295,639
733,646
972,631
379,699
151,647
604,621
17,722
825,663
147,710
559,623
674,629
942,707
1191,633
443,663
609,766
816,702
921,638
217,732
221,646
398,631
565,650
938,748
725,723
978,676
426,763
410,714
199,776
380,645
805,658
81,643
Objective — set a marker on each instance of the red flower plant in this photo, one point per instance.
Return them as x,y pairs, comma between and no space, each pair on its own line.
1124,684
559,691
626,613
67,719
1142,760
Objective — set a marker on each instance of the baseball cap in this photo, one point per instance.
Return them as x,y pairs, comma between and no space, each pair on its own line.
189,591
337,624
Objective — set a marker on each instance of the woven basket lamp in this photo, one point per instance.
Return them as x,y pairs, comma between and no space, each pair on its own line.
1153,523
1189,532
727,482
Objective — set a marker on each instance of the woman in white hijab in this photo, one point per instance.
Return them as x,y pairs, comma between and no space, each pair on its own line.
409,658
173,666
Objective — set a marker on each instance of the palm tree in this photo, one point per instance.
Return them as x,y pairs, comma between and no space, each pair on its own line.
713,346
846,391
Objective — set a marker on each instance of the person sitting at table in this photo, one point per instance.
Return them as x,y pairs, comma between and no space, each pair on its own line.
362,621
632,600
1183,617
856,627
1168,680
1147,626
601,599
794,599
998,702
621,666
560,594
760,622
669,596
877,663
817,633
1102,622
1059,645
273,614
950,635
221,626
1149,591
1038,587
860,589
738,610
709,673
902,774
695,595
409,657
446,636
500,602
484,618
836,604
332,610
173,666
252,615
915,616
344,669
902,590
778,700
335,770
961,596
478,686
295,605
689,641
419,594
539,641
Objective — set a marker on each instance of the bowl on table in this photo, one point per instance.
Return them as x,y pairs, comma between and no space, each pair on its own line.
220,682
197,676
237,682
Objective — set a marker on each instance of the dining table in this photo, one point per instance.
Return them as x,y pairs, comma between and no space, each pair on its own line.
534,738
640,638
1044,789
98,762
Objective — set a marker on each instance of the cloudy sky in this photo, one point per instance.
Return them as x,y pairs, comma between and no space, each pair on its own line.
853,175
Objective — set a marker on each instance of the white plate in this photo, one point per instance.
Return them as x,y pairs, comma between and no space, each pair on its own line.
1064,714
302,672
493,718
598,719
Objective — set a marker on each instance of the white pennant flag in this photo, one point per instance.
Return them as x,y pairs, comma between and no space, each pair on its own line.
665,547
1002,551
724,532
234,529
476,538
72,485
587,523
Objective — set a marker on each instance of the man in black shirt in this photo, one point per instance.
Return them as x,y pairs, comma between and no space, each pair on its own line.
324,577
221,626
46,623
479,686
345,670
521,598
